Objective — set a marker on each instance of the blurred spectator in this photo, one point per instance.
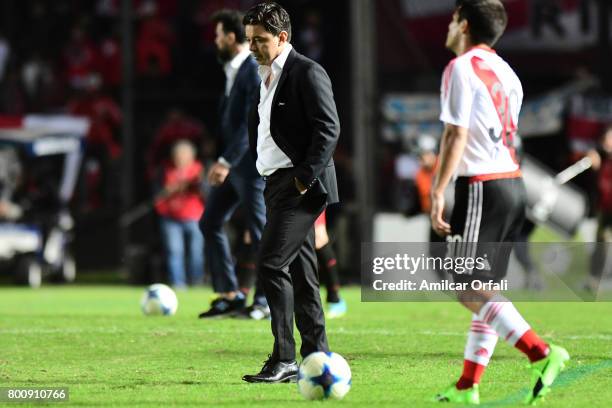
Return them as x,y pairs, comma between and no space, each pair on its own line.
405,198
5,53
386,176
101,161
426,149
428,164
176,126
602,162
80,58
311,44
180,206
110,59
112,8
346,174
103,113
107,8
39,83
13,97
154,43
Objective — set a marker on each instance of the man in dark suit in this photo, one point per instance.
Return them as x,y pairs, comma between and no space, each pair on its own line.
234,176
293,132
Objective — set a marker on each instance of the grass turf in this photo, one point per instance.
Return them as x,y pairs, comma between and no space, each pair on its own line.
95,341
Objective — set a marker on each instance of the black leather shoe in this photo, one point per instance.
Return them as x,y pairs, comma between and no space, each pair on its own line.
222,307
274,372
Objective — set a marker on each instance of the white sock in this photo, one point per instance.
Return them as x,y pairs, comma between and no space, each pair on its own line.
480,343
500,314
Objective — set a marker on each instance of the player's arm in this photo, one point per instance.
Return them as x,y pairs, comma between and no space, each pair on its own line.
452,146
456,102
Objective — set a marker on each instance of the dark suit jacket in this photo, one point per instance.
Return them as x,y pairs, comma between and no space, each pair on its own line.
234,113
304,124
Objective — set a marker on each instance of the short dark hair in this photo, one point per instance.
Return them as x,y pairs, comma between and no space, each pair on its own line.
231,20
487,19
271,16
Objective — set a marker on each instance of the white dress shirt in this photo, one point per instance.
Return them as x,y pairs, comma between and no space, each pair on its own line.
269,156
231,69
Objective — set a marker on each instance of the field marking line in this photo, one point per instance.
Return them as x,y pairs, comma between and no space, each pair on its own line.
341,331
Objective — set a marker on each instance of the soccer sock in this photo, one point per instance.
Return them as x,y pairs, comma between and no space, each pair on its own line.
329,270
502,316
479,348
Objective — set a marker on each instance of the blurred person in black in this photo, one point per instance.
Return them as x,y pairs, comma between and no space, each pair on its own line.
293,132
533,279
328,269
234,177
601,261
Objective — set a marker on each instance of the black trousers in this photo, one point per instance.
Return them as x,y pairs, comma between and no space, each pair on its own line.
287,266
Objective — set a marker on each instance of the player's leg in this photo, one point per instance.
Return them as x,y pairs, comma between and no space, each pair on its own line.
503,211
480,336
479,348
601,260
220,205
252,200
533,280
328,269
547,360
246,258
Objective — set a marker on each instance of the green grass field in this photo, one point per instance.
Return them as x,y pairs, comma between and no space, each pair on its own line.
95,341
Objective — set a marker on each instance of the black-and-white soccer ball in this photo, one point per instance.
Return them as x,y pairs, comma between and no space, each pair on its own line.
159,299
324,375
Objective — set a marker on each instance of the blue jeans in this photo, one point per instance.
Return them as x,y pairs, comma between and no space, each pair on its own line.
174,233
220,205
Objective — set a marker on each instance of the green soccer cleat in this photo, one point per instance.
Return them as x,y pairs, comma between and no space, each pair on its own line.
452,394
544,373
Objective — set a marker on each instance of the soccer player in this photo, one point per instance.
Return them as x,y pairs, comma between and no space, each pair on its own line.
336,306
481,97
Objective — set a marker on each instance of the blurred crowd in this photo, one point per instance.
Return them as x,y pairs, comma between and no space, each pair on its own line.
70,62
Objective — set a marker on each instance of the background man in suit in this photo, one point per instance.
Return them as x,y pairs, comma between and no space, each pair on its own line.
234,176
293,132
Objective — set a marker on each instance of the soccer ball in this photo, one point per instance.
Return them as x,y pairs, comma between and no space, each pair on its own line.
159,299
324,375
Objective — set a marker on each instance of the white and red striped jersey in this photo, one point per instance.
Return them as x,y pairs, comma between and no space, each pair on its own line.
482,93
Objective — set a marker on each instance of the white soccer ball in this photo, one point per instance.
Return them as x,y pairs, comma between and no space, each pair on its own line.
324,375
159,299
